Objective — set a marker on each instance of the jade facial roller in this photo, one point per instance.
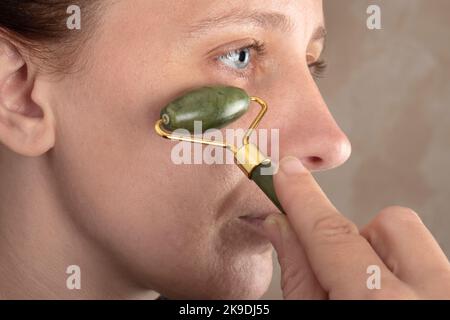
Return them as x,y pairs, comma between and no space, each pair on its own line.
217,107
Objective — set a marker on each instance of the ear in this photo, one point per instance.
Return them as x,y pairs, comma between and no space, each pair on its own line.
25,127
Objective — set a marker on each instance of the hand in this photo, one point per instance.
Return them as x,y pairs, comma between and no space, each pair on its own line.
323,255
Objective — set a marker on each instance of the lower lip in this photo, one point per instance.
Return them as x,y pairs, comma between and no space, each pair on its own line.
254,223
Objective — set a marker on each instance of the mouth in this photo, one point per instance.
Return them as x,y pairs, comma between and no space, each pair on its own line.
254,220
248,211
255,216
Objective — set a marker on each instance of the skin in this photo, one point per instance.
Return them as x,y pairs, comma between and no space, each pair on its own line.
323,255
86,181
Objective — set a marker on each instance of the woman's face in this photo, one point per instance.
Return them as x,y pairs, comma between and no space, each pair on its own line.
176,228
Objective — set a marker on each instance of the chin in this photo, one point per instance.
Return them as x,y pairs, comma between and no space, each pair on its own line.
243,280
236,266
247,278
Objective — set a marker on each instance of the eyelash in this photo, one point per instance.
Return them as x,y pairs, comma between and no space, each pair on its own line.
258,46
316,68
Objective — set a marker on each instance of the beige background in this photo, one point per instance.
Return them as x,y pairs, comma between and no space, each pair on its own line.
389,90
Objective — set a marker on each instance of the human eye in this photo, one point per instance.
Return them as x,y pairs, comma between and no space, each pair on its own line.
318,68
238,59
243,59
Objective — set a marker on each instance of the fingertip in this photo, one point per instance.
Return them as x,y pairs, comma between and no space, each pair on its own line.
291,172
291,166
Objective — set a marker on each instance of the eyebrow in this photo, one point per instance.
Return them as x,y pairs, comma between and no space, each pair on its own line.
261,19
266,20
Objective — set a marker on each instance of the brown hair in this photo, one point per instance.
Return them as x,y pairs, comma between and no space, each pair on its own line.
40,27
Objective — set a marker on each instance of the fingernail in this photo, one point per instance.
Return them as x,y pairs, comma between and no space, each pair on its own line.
271,220
291,165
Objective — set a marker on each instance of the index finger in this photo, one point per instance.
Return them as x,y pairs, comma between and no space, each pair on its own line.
338,254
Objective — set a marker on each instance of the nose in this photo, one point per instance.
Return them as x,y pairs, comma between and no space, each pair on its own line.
307,130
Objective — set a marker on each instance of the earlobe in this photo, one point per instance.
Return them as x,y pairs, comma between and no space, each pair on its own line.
26,127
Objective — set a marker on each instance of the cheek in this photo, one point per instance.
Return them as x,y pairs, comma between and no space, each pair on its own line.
116,177
119,165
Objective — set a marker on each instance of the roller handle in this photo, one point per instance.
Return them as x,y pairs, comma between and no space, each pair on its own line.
265,182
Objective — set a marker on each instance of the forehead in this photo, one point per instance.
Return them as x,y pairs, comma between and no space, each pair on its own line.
213,6
305,14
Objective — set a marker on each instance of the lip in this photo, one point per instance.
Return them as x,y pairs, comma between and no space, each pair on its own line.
255,216
236,200
252,231
254,221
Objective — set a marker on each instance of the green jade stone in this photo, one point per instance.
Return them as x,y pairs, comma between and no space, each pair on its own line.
216,107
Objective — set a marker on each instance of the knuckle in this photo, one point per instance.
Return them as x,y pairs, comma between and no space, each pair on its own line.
390,217
335,228
399,212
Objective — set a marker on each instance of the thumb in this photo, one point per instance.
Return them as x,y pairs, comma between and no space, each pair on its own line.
297,279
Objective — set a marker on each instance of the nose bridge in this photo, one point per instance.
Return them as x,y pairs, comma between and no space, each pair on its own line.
307,128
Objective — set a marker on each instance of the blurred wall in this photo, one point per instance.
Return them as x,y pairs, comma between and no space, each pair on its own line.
389,90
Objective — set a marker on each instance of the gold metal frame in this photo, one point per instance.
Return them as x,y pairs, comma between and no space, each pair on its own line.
247,157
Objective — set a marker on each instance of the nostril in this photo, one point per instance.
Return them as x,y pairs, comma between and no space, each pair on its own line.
313,162
315,159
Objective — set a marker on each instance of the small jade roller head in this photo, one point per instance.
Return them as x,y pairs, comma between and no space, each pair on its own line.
215,106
